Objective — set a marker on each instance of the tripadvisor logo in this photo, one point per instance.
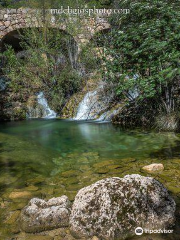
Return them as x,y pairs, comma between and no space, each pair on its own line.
138,231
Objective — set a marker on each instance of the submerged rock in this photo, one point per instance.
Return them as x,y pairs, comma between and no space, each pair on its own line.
40,215
13,217
34,237
113,208
155,167
23,194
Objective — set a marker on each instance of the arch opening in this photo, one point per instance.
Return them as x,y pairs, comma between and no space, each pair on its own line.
13,39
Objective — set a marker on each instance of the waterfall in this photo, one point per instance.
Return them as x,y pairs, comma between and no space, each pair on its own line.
96,104
86,106
42,110
48,113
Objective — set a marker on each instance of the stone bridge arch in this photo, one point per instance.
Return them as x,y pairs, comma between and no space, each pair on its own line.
14,19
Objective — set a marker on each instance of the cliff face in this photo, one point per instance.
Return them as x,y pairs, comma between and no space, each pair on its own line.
12,105
13,109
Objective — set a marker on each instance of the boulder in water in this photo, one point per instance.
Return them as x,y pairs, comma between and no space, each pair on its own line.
40,215
153,168
113,208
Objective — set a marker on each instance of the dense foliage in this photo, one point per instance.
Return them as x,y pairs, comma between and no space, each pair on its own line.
47,63
144,52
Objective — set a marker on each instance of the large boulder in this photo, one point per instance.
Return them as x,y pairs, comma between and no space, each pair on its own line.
40,215
113,208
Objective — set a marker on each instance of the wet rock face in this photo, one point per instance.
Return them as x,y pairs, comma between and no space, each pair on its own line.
114,207
40,215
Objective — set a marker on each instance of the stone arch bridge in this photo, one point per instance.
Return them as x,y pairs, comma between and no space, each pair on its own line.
11,20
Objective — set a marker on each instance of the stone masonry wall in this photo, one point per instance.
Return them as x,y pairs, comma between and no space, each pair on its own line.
13,19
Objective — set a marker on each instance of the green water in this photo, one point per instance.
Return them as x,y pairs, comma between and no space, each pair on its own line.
46,158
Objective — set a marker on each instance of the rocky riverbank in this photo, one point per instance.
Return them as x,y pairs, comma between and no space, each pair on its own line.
109,209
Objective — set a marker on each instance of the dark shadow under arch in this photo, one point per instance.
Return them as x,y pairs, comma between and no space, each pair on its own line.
13,38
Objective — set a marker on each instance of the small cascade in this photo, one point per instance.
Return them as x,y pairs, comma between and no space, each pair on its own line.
96,106
48,113
86,107
42,110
